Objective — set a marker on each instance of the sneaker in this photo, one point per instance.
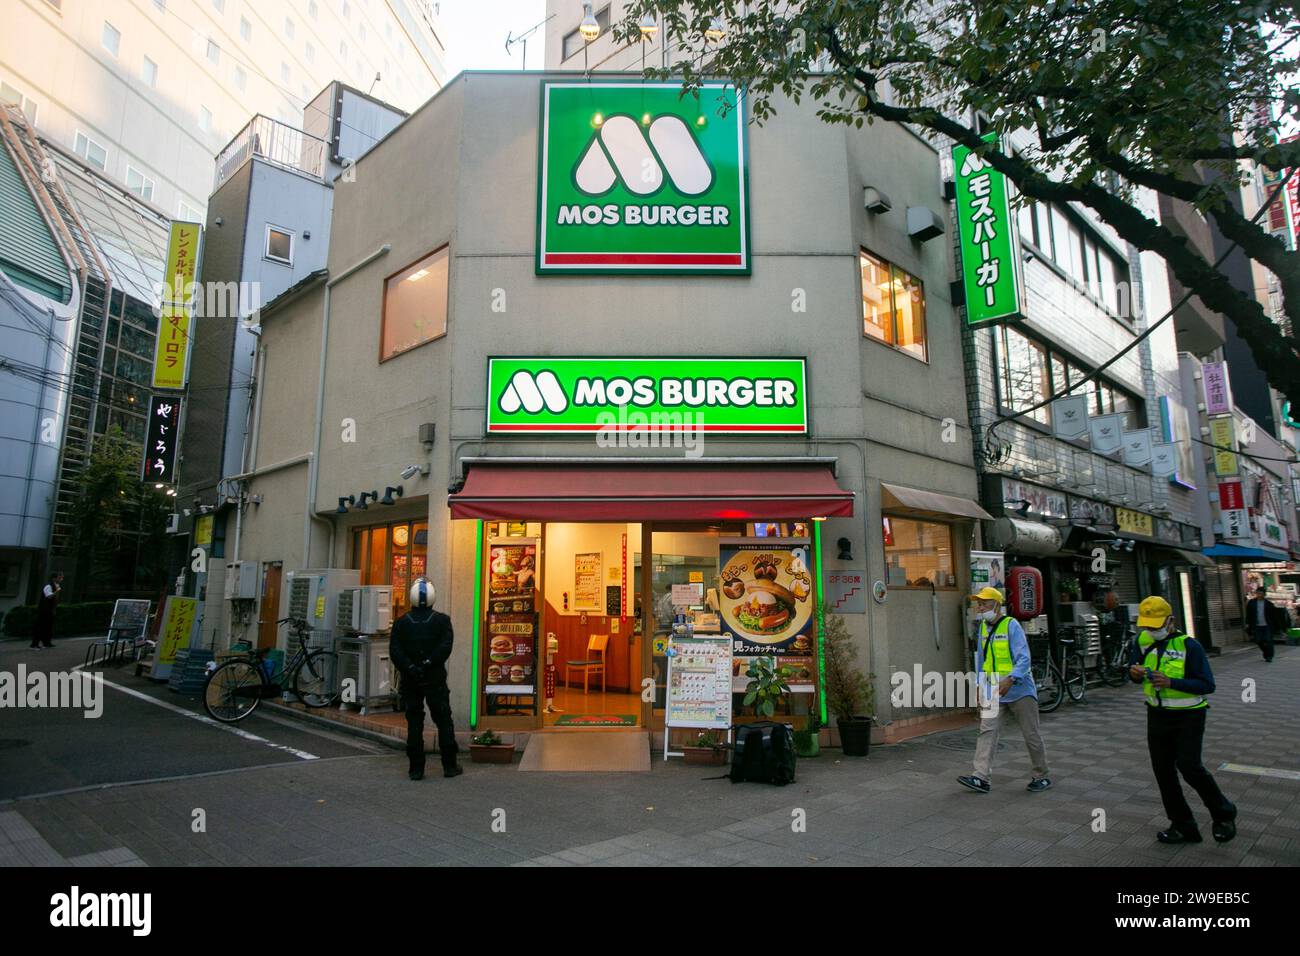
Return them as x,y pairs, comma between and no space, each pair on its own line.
1039,785
978,784
455,770
1180,835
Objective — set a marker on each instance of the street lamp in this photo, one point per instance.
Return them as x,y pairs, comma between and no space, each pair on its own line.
589,28
648,27
715,31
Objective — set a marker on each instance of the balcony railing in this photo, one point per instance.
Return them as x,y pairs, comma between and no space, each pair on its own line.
274,142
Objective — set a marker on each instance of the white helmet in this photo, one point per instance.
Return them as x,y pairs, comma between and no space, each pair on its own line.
422,593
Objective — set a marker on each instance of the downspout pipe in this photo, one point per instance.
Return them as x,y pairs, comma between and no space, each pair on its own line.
313,467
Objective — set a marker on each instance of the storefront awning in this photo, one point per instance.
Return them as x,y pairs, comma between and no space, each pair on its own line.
928,504
1244,554
655,491
1180,556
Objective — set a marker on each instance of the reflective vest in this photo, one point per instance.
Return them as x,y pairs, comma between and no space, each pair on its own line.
1171,660
997,653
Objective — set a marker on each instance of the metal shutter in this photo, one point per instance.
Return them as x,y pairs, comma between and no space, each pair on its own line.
1223,595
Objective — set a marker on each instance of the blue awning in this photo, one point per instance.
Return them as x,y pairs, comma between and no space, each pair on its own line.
1247,554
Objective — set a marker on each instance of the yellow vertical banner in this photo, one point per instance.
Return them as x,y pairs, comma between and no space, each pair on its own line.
1222,437
174,635
172,349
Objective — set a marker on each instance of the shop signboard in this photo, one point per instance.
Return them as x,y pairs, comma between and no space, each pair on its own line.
1164,459
1134,522
636,179
586,581
1070,417
1218,394
1222,436
539,395
1106,433
512,575
161,434
1137,447
180,618
1234,524
846,591
1272,534
987,570
699,683
172,347
990,258
1043,502
766,597
512,654
1089,513
1169,532
1231,495
203,531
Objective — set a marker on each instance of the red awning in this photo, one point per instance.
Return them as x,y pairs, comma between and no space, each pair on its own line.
650,492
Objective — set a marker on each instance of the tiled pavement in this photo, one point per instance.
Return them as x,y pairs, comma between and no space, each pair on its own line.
899,807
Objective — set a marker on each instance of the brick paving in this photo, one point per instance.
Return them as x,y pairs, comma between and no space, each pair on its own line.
899,807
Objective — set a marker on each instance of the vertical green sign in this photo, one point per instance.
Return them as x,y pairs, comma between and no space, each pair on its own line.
636,179
990,261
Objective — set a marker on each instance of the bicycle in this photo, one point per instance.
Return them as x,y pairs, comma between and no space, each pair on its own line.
1116,652
1058,670
235,688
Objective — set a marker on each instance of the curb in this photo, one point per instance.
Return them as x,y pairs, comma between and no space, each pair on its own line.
374,736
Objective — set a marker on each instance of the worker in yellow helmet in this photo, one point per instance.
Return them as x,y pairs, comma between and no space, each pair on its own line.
1174,672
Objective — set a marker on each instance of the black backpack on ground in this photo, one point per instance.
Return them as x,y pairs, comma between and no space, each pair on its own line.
764,754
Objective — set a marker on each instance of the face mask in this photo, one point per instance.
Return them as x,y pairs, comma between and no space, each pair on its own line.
988,615
1159,633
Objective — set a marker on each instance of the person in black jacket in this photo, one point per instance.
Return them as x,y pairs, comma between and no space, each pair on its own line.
1261,620
43,631
421,643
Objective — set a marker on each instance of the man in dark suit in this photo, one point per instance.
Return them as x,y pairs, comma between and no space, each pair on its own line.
420,645
1261,617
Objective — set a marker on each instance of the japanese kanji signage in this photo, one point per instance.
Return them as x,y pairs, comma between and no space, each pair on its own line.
1218,396
989,260
160,439
171,352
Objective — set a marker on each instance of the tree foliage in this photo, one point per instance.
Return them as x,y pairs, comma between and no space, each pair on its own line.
1180,97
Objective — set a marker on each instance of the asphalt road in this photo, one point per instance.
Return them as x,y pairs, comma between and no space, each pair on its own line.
144,733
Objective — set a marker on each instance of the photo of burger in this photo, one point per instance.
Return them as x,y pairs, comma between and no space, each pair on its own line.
517,674
763,603
502,648
766,609
494,674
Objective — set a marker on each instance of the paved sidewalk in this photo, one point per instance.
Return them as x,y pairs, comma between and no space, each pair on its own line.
901,806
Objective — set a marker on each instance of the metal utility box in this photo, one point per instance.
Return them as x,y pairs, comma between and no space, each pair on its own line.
364,661
312,594
365,610
241,581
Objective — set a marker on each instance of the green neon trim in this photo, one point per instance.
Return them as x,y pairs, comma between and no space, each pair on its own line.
478,616
821,621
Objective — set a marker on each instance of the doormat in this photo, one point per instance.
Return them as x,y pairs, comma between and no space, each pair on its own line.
601,751
596,720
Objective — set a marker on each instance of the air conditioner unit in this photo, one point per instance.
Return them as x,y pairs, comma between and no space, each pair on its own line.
241,581
312,594
366,610
173,523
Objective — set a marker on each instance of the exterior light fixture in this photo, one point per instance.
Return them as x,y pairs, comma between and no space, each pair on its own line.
589,28
597,119
389,494
715,32
645,119
819,517
344,503
699,120
845,547
159,485
648,26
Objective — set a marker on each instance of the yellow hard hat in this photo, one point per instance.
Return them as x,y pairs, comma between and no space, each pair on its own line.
1153,611
987,594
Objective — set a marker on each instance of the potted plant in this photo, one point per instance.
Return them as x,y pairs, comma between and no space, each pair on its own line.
767,685
487,747
850,695
1069,589
708,750
805,739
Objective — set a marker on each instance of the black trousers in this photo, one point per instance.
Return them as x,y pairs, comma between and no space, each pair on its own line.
1263,636
438,697
1174,740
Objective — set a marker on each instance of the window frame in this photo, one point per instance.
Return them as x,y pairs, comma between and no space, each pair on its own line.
145,62
894,515
896,273
152,184
89,141
116,50
266,244
383,304
1103,262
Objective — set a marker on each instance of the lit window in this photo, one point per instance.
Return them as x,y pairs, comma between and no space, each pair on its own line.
893,305
279,245
918,554
149,72
110,38
205,119
245,30
415,305
138,183
90,151
214,52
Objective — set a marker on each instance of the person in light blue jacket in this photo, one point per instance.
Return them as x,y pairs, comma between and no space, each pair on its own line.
1006,682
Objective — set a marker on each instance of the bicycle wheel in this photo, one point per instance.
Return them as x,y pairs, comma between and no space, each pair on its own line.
232,691
315,682
1076,676
1113,664
1051,689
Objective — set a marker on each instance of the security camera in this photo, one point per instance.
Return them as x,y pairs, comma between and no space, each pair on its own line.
454,487
410,471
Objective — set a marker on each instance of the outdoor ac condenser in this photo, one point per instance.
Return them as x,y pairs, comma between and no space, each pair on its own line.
365,610
312,594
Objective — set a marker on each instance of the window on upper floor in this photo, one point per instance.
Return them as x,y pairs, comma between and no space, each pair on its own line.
415,305
213,52
289,28
205,119
241,79
16,97
89,150
138,183
110,38
245,30
149,72
187,213
893,305
279,245
1079,252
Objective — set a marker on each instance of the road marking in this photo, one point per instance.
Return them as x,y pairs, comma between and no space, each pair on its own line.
1260,771
203,719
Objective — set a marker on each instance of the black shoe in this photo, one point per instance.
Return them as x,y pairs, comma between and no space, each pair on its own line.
1039,785
1225,830
416,773
1179,835
978,784
455,770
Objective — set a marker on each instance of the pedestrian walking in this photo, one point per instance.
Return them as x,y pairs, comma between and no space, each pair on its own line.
421,643
43,629
1174,672
1005,681
1262,619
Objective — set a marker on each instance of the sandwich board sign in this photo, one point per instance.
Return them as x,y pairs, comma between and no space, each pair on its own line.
636,179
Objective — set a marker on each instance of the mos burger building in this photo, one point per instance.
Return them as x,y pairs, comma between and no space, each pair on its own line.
590,356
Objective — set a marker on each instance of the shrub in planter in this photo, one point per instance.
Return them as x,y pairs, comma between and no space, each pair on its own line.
768,685
487,747
850,695
70,620
708,750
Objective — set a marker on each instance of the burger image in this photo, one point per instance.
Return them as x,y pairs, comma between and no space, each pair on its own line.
802,643
494,673
766,609
517,674
502,648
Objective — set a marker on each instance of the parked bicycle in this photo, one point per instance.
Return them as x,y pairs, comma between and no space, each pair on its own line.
235,688
1117,641
1058,669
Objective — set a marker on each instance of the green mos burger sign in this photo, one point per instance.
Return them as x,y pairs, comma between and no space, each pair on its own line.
633,178
549,394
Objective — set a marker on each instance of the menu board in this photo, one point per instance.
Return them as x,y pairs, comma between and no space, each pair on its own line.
766,596
512,575
613,600
511,654
699,683
586,582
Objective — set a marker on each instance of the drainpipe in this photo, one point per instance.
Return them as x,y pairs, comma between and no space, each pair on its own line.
313,466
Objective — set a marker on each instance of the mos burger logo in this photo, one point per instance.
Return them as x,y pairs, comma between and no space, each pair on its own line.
636,178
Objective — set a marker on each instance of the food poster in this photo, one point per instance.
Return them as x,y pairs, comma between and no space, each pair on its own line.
801,676
766,596
511,653
586,582
512,576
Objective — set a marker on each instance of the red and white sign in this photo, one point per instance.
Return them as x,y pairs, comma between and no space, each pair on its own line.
1024,593
1231,496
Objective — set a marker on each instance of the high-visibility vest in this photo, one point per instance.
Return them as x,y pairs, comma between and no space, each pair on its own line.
1172,662
997,654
